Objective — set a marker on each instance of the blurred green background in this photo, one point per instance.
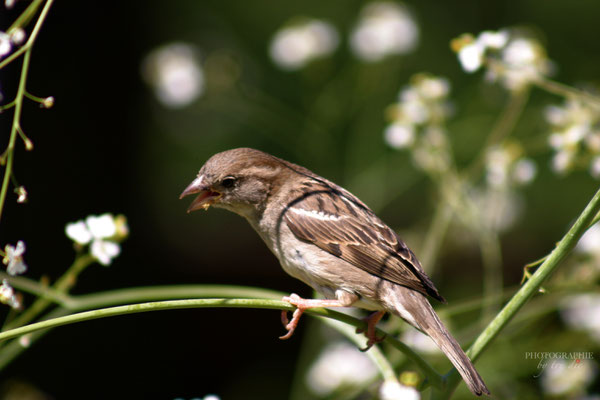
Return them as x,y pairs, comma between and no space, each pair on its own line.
108,145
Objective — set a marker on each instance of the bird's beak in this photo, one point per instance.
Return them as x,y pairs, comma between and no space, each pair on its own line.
206,196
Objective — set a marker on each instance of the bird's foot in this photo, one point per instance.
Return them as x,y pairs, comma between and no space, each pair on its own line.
371,332
302,305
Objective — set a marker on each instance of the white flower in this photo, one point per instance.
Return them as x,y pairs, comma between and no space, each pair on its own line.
471,57
101,227
5,44
433,87
391,390
13,258
101,231
384,28
175,73
17,36
524,60
339,365
8,296
493,40
78,232
582,311
298,44
399,136
22,194
105,251
561,376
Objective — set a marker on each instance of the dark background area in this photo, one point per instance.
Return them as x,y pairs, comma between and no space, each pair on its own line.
108,146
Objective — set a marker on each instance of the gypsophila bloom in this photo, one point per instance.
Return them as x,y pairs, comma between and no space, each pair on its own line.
399,135
22,194
506,166
302,41
575,136
8,295
421,103
340,365
102,233
5,44
48,102
174,71
13,258
391,390
17,36
581,312
512,59
384,29
563,377
417,121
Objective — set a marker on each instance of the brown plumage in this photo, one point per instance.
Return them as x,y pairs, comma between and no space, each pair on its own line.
326,237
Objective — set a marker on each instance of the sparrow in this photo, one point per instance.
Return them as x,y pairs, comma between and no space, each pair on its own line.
329,239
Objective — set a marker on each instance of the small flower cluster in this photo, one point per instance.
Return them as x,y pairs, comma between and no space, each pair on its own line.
506,166
302,41
384,28
512,59
13,259
575,137
417,121
15,37
103,233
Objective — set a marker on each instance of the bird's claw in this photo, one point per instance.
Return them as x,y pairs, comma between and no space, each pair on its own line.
371,332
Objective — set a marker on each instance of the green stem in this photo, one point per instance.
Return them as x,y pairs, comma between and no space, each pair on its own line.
530,287
562,90
62,285
14,130
428,371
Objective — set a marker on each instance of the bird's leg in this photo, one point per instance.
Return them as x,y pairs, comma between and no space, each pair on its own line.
302,305
370,332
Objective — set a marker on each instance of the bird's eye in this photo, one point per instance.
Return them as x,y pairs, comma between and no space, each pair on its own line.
228,182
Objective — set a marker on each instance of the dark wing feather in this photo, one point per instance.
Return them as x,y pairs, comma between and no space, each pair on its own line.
336,221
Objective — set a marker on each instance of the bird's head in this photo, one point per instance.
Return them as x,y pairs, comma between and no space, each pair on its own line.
239,180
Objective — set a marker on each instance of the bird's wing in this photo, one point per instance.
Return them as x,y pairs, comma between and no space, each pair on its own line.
336,221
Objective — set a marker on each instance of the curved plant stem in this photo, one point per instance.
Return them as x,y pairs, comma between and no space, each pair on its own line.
428,371
529,289
62,286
